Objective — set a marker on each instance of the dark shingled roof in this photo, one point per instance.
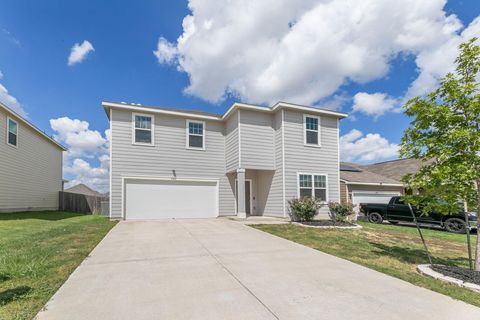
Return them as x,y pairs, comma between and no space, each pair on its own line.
395,169
83,189
352,172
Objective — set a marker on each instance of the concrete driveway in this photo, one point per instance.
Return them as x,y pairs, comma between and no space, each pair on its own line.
221,269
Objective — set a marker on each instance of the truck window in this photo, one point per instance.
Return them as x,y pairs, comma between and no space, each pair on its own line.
399,201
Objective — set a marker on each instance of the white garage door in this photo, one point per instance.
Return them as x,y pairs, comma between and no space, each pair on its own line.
371,197
154,199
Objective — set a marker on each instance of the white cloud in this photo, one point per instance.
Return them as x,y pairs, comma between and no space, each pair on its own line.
375,104
84,146
356,147
303,51
79,52
10,101
166,52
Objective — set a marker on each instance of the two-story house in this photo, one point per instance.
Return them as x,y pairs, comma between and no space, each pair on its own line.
174,163
30,165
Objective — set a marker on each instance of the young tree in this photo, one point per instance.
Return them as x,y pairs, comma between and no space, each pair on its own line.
445,134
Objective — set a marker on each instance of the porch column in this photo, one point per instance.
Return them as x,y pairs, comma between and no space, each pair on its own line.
241,213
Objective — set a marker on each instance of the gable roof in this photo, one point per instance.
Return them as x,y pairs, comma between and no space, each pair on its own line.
84,189
32,126
357,174
396,169
218,117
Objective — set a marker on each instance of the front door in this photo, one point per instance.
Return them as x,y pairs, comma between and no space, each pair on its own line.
248,196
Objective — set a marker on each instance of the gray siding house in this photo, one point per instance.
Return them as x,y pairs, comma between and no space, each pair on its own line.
30,165
168,163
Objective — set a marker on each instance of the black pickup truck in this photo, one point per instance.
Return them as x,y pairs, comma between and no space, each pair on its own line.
397,211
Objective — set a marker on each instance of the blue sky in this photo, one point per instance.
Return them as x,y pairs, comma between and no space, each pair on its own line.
36,39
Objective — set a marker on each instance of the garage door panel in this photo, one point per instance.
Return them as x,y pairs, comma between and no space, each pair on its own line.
170,199
370,197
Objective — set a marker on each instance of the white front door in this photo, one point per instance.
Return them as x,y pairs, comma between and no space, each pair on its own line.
160,199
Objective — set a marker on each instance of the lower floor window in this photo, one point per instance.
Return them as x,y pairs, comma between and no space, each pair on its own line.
313,185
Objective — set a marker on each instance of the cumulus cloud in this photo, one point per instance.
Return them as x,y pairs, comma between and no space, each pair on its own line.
357,147
303,51
10,101
84,146
375,104
79,52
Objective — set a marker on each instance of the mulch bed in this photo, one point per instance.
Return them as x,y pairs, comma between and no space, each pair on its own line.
326,223
465,275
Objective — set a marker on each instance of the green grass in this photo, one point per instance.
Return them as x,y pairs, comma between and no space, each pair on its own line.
38,251
394,250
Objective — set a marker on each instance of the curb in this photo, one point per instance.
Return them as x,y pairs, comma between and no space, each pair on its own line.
425,270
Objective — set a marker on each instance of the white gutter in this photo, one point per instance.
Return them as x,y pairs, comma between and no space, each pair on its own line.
373,183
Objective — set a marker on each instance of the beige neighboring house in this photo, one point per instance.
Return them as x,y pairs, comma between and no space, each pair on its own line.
30,165
85,190
179,163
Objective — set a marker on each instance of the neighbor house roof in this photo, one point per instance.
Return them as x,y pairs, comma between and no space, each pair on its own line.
83,189
396,169
357,174
218,117
32,126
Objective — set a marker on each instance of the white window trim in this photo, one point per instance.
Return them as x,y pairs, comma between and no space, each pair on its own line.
187,132
152,129
16,122
305,116
327,197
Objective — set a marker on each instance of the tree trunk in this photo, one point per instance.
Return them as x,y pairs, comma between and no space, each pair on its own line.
477,252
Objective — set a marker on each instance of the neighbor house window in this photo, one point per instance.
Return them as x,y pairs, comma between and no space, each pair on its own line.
142,129
12,132
313,185
312,130
195,134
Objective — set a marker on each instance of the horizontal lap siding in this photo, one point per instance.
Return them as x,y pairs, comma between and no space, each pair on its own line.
168,154
301,158
31,174
257,140
231,142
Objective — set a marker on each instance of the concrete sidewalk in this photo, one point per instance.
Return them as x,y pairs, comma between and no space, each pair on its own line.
221,269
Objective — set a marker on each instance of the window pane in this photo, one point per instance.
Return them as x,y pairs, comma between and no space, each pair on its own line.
321,194
195,128
312,137
305,193
305,181
12,139
311,123
143,136
195,141
12,126
143,122
320,182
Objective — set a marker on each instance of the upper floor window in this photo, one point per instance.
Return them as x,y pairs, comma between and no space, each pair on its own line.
143,129
312,130
195,134
12,132
312,185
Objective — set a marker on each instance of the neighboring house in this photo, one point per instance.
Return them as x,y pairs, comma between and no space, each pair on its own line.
30,165
396,169
85,190
359,185
249,161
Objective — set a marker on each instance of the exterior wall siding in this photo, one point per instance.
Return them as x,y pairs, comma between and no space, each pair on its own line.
168,155
231,142
307,159
31,173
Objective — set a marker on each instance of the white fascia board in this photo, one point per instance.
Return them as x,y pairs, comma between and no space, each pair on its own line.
373,183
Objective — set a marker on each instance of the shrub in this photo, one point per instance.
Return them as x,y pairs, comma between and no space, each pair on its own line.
341,212
303,209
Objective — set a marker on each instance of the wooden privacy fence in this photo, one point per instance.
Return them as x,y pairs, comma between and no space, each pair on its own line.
75,202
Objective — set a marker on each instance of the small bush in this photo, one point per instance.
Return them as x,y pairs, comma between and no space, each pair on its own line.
303,209
341,212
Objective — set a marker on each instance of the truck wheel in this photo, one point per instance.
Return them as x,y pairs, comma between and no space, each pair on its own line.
455,225
375,217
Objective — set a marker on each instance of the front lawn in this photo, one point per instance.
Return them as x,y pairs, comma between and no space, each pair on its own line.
394,250
38,251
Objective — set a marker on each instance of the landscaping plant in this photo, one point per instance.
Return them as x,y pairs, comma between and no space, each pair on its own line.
341,212
445,134
303,209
